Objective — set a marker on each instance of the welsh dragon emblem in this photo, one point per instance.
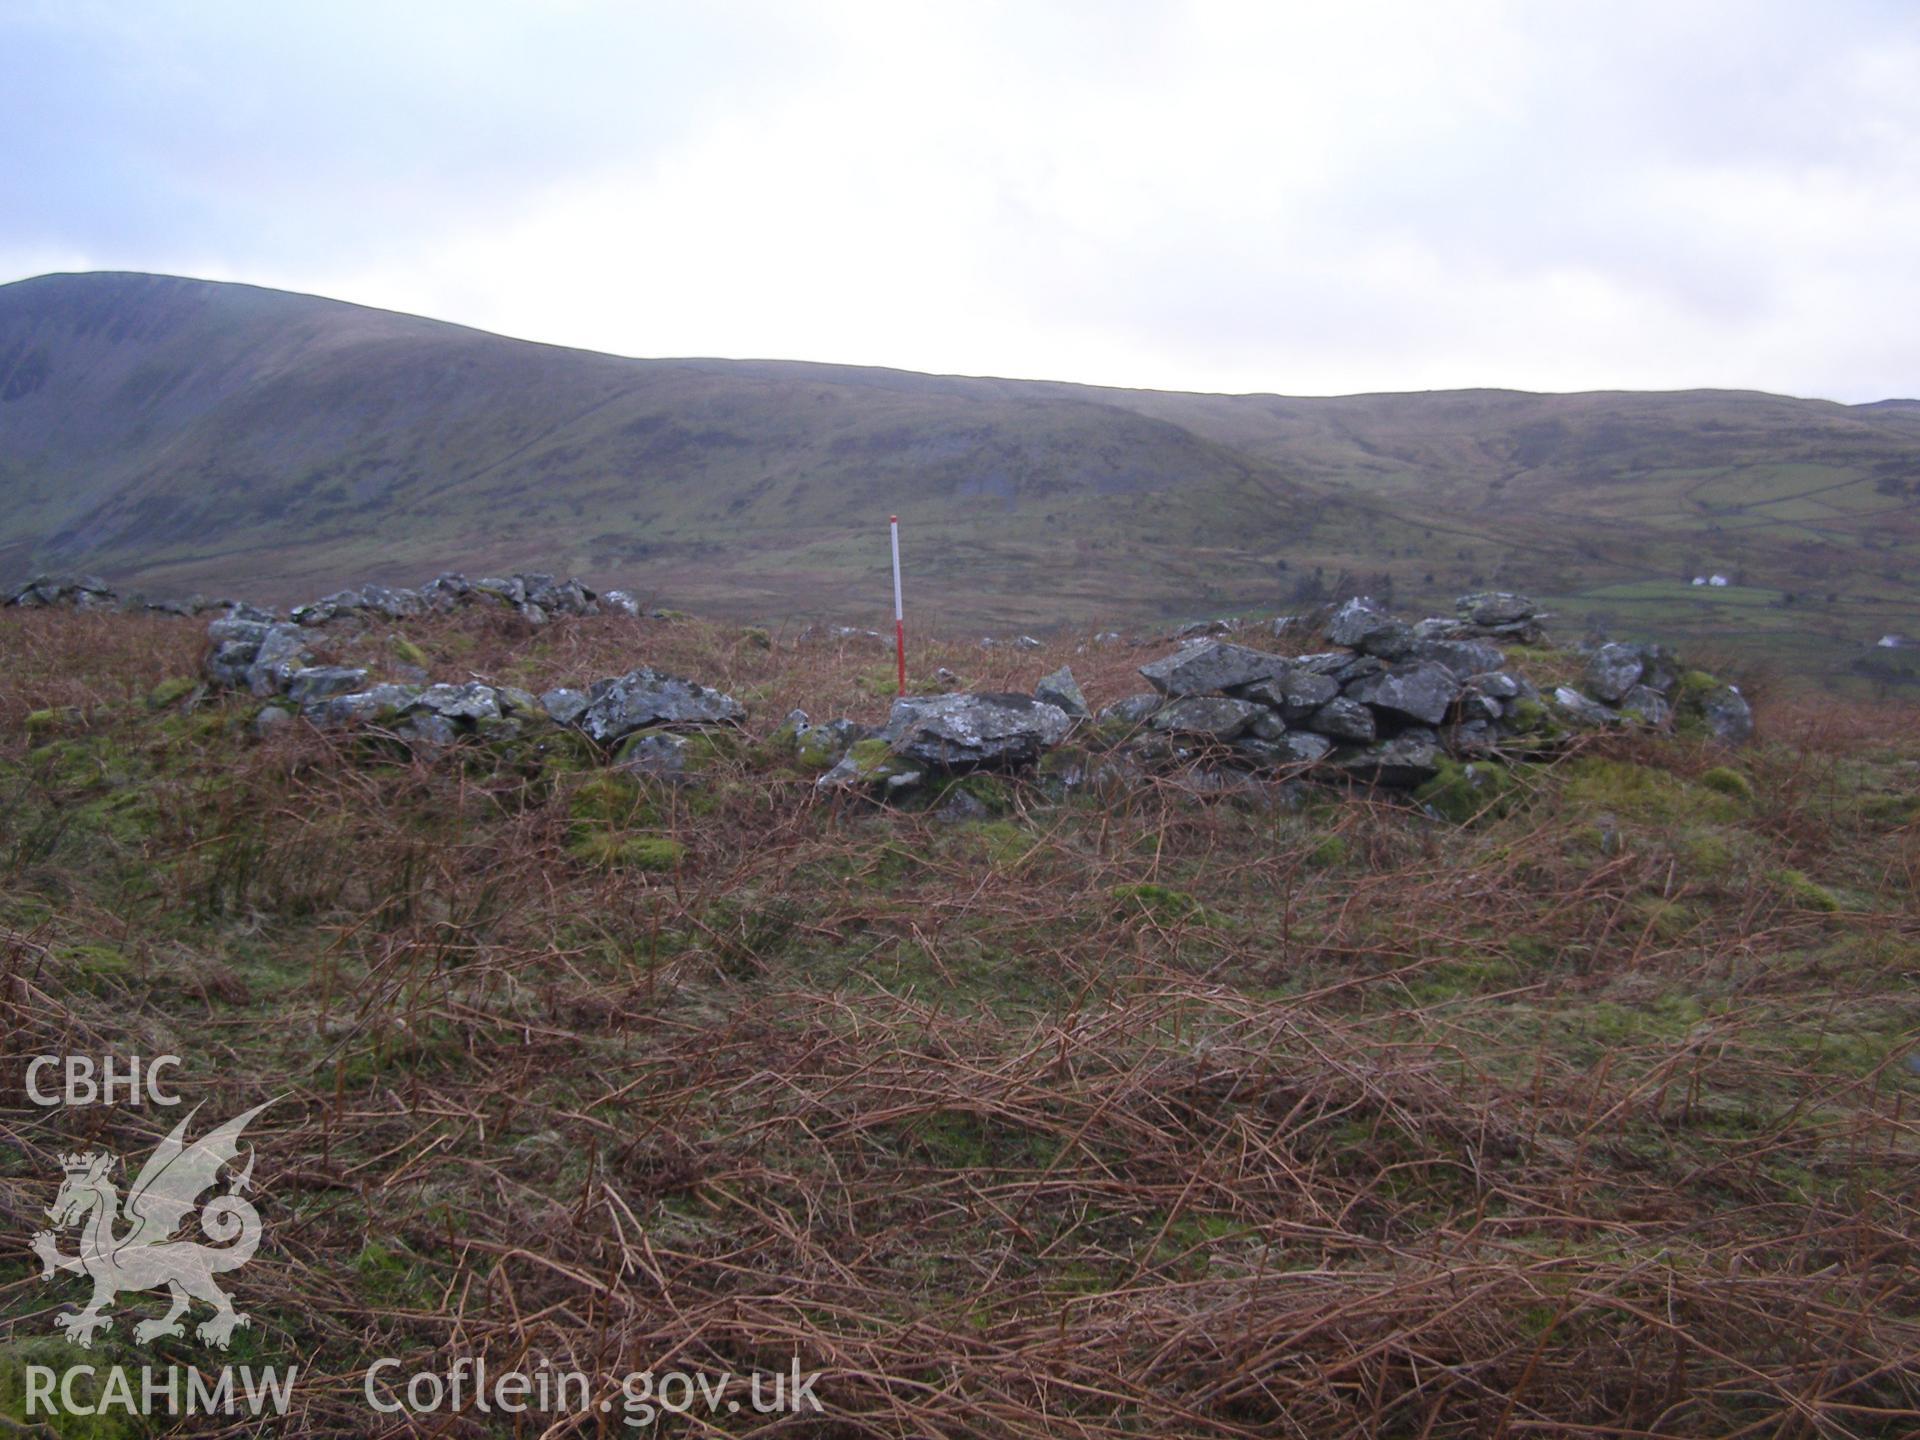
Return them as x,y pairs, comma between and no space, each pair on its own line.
145,1256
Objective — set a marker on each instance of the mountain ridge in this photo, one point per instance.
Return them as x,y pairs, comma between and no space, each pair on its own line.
854,366
182,433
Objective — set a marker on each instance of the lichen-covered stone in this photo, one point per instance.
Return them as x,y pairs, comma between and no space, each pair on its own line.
1465,658
1647,705
1715,709
365,707
428,730
1343,719
1360,624
238,628
1499,685
564,706
1408,759
655,752
871,765
1492,608
820,747
965,731
1131,712
1476,707
1323,662
1295,695
1060,689
77,592
1612,671
1209,666
317,682
471,702
1292,748
1208,717
1416,690
228,663
1582,711
646,697
281,651
522,704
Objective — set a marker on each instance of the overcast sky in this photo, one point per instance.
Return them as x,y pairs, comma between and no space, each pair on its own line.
1302,198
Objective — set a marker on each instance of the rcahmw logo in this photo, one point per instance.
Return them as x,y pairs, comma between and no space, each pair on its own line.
128,1243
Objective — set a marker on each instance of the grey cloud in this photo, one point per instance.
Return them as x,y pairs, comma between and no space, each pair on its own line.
1249,197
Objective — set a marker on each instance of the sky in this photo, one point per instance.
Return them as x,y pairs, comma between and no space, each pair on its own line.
1304,198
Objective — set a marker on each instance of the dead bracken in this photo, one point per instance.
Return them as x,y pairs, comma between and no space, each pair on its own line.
1117,1092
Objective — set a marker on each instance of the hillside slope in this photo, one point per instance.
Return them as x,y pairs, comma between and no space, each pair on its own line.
1206,1106
185,434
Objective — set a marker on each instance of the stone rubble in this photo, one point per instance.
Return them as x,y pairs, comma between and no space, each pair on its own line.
253,651
1393,706
1060,690
1389,703
644,698
965,732
536,598
1396,702
89,592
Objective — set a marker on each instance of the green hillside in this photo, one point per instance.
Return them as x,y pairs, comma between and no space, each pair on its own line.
179,434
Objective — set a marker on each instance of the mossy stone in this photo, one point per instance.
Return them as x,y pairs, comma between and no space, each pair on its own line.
1530,715
993,793
873,759
818,749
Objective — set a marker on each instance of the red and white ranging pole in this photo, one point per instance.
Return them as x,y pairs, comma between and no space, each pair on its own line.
899,612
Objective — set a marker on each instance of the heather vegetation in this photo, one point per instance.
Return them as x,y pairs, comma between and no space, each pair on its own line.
1586,1106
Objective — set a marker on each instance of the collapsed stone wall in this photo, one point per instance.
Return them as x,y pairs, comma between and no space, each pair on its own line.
534,597
1388,699
1387,703
268,657
89,592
